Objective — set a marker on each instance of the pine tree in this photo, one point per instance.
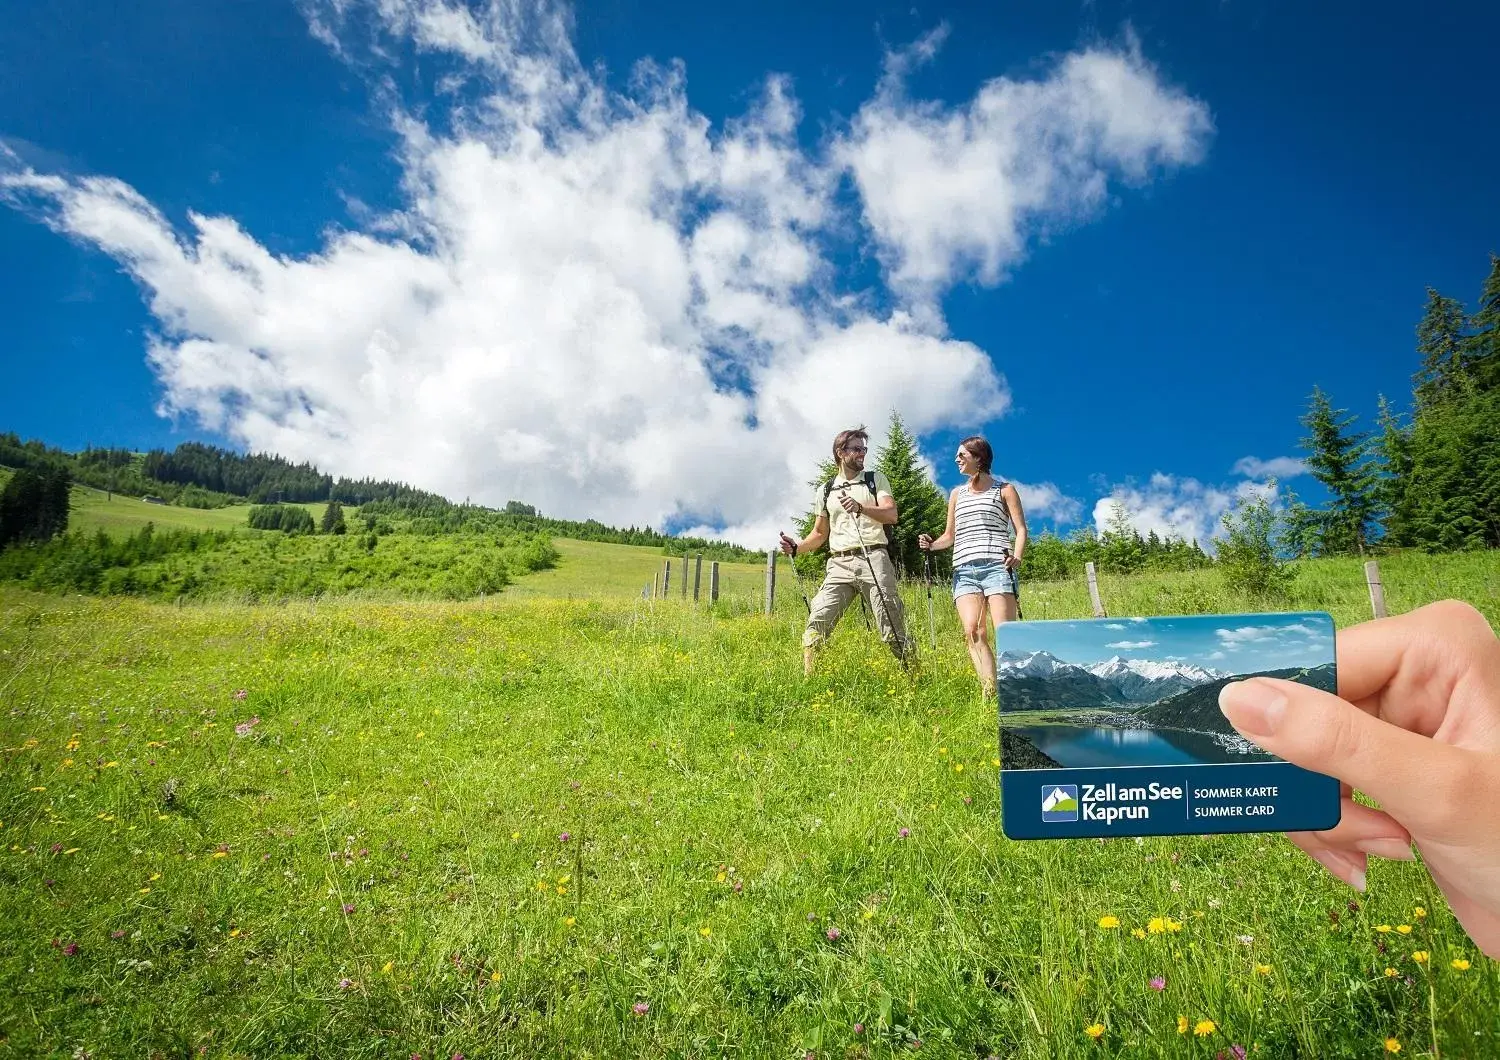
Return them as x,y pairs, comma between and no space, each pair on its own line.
1122,550
1482,347
1441,342
34,505
1338,458
1300,528
921,506
1393,484
333,519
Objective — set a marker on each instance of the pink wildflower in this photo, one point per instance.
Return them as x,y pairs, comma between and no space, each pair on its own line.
244,727
242,694
564,837
905,833
1158,983
640,1008
833,934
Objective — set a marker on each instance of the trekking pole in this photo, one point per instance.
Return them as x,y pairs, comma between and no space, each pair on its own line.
927,573
800,589
1016,577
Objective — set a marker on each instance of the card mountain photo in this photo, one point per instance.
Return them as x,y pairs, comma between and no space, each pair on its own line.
1117,717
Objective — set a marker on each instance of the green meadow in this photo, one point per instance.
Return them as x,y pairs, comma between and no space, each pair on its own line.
568,821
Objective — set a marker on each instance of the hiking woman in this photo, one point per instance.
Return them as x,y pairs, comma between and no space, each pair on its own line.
987,532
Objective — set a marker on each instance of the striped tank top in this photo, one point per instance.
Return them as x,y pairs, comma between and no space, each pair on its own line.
981,526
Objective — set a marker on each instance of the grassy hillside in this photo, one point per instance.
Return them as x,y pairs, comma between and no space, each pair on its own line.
597,569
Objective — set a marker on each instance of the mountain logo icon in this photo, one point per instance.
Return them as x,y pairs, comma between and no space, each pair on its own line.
1059,803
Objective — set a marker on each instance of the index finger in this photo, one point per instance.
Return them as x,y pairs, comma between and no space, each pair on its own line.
1403,669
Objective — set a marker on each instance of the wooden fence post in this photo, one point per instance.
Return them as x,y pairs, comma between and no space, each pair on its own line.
666,578
684,575
713,582
1377,591
697,574
770,579
655,585
1094,590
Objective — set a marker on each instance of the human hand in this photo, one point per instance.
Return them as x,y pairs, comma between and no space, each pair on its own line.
1012,561
1415,726
924,541
852,506
788,545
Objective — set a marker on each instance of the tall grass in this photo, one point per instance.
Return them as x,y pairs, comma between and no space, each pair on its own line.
532,827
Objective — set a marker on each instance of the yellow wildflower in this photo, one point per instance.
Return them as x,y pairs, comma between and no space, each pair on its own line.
71,850
1173,925
995,762
1391,973
144,890
1156,925
1460,964
154,877
386,968
1382,928
420,734
705,931
570,920
1137,933
1094,1031
561,889
221,854
1182,1024
958,768
1203,1028
1419,913
495,976
110,765
1263,969
1108,922
1420,956
1404,929
515,835
1392,1046
721,877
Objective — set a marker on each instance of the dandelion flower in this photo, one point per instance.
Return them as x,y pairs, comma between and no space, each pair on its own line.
1137,933
705,931
1263,969
1382,928
1391,973
515,835
570,920
1173,925
1418,913
1203,1028
1404,929
385,968
1094,1031
1420,956
234,933
1392,1045
1182,1025
1107,922
995,762
958,767
1156,925
1460,964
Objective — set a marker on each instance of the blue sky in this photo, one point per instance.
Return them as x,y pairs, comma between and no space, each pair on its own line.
1237,644
1263,216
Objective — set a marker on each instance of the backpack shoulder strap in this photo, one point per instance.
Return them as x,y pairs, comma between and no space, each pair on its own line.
870,485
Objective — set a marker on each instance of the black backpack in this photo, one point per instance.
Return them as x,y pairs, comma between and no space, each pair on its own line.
869,484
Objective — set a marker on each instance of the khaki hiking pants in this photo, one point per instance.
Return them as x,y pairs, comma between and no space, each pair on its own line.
847,577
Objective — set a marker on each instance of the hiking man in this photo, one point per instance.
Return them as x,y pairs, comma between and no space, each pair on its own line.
854,508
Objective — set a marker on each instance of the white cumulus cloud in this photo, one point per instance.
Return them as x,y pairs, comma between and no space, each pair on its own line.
1280,467
599,302
1176,506
1132,645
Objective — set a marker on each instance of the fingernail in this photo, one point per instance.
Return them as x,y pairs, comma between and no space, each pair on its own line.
1346,867
1390,849
1253,707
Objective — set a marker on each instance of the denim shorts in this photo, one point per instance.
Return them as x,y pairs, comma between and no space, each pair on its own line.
989,577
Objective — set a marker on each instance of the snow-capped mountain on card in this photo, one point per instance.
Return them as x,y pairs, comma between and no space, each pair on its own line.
1133,680
1148,680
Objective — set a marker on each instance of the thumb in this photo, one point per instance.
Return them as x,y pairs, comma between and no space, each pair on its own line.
1404,771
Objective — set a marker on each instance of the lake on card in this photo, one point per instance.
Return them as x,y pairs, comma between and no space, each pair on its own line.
1079,746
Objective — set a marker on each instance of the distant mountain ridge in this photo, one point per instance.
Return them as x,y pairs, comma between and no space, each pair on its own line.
1039,680
1198,708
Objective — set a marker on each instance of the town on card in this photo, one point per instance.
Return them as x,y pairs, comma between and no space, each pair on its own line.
1112,727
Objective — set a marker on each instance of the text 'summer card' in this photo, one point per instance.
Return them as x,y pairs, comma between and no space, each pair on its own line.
1112,727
